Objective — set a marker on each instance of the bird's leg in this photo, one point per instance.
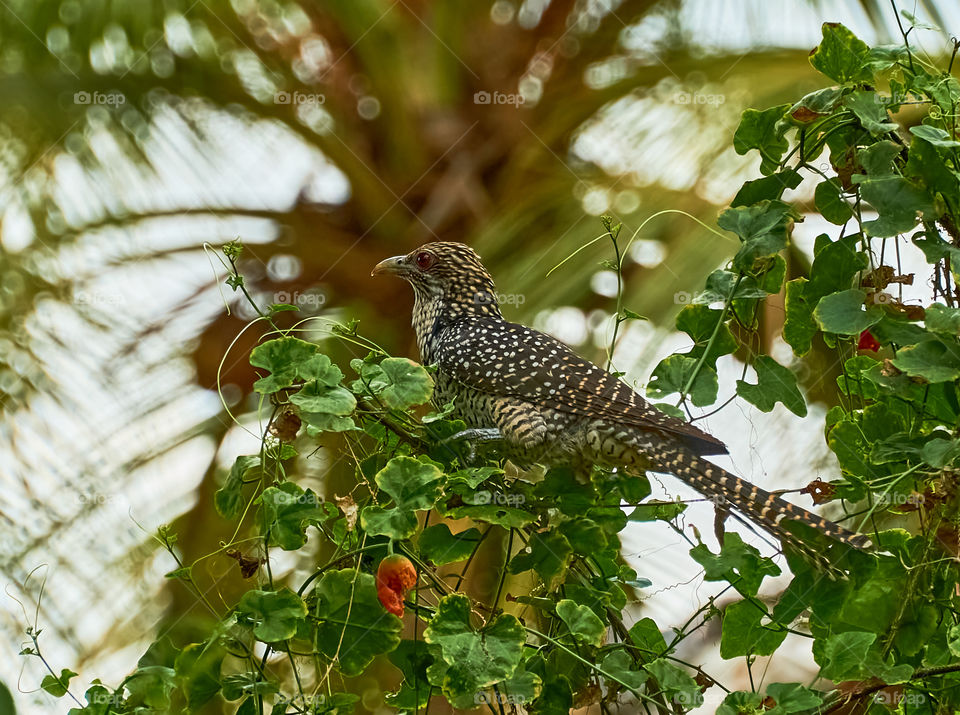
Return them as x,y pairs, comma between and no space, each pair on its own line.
476,434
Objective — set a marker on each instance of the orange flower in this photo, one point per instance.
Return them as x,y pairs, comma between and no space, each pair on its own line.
395,576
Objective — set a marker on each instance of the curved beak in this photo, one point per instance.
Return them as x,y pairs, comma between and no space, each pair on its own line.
390,266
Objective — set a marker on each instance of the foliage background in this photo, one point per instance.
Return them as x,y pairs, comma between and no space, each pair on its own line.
112,329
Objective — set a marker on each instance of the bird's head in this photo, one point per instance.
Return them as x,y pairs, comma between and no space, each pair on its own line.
447,272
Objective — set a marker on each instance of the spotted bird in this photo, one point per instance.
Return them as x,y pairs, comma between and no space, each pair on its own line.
548,405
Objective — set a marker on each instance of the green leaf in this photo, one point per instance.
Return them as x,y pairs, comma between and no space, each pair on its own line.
798,328
741,702
677,685
627,314
325,422
834,267
414,486
878,159
585,535
736,561
953,640
848,443
620,666
841,55
439,546
853,655
646,634
571,496
548,554
917,627
831,204
759,130
583,623
844,313
674,372
399,382
764,229
794,697
228,499
353,627
654,510
150,687
767,188
287,511
522,687
940,452
198,672
240,685
935,248
668,409
880,59
817,104
319,368
505,516
934,135
700,322
472,660
412,483
315,397
898,201
398,524
275,614
720,288
871,113
928,164
744,633
933,360
473,476
412,657
100,701
58,686
941,319
775,383
282,357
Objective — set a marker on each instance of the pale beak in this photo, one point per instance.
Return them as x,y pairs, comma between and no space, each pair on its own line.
390,266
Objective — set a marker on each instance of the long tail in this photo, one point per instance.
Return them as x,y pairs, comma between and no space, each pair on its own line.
756,504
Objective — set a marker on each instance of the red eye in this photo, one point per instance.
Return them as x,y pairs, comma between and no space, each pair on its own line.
424,260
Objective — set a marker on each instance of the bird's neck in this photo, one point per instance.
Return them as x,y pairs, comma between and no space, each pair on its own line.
432,312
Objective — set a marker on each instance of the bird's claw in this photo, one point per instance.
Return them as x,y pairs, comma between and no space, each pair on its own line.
474,436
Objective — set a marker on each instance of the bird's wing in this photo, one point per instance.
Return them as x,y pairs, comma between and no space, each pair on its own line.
504,358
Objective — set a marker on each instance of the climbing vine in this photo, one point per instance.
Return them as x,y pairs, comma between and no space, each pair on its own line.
395,587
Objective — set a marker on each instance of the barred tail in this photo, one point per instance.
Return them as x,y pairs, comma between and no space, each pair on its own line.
757,504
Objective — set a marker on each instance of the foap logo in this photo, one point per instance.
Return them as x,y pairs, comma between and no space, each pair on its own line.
484,97
713,100
95,499
98,299
482,697
487,298
299,98
307,498
484,497
308,299
108,99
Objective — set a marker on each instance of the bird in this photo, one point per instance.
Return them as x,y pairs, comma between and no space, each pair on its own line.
547,405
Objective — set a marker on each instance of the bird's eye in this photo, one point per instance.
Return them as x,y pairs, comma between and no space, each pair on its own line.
424,260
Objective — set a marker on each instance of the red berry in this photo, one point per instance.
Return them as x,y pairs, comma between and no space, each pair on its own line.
395,576
868,342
